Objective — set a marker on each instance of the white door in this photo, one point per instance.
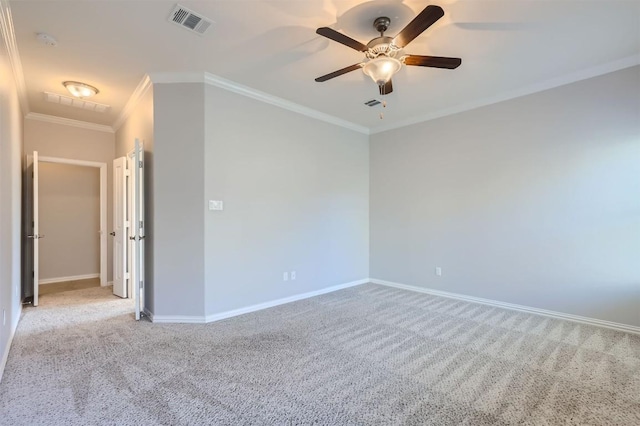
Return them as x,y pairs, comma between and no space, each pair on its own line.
137,227
35,230
120,227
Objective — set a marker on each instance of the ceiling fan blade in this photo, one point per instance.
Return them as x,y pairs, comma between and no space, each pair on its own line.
338,73
424,20
386,88
432,61
341,38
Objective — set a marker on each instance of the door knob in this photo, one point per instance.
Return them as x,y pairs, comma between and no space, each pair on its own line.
113,234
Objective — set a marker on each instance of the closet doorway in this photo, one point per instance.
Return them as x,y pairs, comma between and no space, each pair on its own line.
68,216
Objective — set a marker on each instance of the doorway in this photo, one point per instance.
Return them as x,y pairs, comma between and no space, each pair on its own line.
36,233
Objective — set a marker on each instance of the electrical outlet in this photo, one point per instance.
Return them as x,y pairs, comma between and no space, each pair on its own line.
285,276
438,271
293,275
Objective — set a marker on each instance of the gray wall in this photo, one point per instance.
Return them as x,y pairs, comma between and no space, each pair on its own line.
178,200
139,125
533,201
296,196
10,204
69,201
62,141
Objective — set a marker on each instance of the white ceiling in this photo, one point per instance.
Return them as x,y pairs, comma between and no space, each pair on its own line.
507,47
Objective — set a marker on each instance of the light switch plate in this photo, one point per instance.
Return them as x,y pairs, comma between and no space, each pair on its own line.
216,205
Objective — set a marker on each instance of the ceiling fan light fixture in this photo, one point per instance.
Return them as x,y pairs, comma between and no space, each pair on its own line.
80,90
381,69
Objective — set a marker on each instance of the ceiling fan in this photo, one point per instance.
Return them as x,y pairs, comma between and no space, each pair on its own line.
384,55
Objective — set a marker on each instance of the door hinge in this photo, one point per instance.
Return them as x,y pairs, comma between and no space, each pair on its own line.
140,164
33,274
141,223
141,284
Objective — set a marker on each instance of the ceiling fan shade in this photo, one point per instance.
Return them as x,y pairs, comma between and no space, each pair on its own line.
381,69
432,61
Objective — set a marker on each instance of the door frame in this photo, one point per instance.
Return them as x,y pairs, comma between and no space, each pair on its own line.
103,205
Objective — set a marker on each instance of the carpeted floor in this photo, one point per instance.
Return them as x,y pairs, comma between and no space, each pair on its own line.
369,355
68,286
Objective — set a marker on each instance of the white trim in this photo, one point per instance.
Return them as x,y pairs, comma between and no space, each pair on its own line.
72,278
133,101
258,307
512,306
12,332
71,161
104,244
231,86
68,122
252,308
8,34
103,205
178,319
107,284
177,77
609,67
148,313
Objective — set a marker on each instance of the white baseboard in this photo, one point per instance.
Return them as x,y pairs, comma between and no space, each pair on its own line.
107,284
72,278
148,313
252,308
5,355
553,314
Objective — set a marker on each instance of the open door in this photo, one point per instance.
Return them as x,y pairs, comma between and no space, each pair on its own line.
120,228
35,228
137,227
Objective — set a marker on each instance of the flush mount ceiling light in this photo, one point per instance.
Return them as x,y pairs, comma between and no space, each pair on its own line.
80,90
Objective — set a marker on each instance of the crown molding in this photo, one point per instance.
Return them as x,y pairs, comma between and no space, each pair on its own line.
133,101
591,72
177,77
231,86
69,122
9,37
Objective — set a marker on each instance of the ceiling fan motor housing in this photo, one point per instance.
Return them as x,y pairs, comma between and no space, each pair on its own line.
382,46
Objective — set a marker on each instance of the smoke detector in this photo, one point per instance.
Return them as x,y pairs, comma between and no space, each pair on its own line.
190,20
47,39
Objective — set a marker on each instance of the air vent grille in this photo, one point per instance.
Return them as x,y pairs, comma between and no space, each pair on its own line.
372,102
189,19
75,102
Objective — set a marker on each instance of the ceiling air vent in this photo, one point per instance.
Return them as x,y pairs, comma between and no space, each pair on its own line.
372,102
190,20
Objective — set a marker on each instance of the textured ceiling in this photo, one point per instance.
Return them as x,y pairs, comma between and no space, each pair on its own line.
507,47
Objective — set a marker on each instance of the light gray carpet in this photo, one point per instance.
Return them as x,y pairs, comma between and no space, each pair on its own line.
369,355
